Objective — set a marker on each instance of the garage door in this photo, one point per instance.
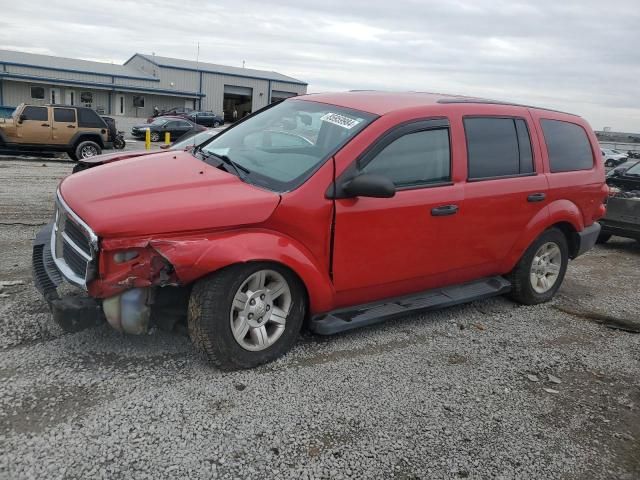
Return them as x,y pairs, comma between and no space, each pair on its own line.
233,90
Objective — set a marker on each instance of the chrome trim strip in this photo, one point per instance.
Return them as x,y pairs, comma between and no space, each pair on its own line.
66,271
92,236
76,247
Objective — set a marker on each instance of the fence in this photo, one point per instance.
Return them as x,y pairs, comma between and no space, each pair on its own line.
621,146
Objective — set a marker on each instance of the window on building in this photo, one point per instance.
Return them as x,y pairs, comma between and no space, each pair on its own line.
86,98
568,146
497,147
418,158
40,114
37,93
64,115
138,101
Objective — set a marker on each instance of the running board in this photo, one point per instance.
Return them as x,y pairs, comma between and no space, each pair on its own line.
372,313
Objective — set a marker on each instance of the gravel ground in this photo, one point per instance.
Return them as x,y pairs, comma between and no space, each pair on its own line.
458,393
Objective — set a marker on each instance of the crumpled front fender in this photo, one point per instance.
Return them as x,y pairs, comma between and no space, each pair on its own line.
195,257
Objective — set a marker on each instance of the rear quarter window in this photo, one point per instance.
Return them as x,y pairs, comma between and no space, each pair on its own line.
87,118
568,146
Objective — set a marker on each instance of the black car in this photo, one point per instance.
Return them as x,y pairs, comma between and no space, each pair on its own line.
175,126
623,204
208,119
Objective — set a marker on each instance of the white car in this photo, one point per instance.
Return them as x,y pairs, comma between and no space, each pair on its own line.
613,158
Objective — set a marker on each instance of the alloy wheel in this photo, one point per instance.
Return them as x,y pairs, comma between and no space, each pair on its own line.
545,267
88,151
259,310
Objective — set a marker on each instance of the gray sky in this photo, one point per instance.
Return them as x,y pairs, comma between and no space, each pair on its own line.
580,56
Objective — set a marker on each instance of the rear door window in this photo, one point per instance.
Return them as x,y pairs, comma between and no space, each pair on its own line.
498,147
67,115
87,118
568,146
40,114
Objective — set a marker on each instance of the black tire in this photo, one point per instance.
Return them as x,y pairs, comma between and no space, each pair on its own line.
119,143
609,163
84,147
209,321
72,155
521,289
155,136
216,124
603,238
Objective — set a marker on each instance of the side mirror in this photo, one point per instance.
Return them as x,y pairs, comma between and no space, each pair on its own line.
370,185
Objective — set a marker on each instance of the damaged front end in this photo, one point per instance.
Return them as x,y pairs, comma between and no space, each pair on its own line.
122,279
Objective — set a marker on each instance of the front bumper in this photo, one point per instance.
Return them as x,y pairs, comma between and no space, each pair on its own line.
71,312
128,311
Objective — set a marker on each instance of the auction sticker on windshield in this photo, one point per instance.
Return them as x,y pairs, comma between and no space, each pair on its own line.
340,120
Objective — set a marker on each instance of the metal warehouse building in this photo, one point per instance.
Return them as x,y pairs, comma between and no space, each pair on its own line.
142,82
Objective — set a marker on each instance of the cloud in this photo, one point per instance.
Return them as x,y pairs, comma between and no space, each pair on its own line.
579,56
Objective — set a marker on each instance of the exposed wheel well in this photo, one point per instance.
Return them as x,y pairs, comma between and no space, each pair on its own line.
571,235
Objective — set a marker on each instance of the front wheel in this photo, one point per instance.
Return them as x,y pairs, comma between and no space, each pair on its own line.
216,124
246,315
155,136
539,273
609,163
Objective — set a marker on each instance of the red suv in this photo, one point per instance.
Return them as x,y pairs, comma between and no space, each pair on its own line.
339,210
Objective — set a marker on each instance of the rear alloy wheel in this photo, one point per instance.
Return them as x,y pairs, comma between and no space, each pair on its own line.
540,271
87,149
246,315
155,136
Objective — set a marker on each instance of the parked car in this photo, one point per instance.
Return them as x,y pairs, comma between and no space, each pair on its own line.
613,158
185,143
175,126
172,112
208,119
35,129
623,167
623,205
402,203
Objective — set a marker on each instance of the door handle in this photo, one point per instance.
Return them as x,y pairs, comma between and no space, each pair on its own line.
45,125
71,126
444,210
536,197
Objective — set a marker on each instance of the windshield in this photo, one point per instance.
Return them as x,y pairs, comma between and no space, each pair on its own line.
283,145
635,170
195,139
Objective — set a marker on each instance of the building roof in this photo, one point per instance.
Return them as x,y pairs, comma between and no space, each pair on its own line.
215,68
11,57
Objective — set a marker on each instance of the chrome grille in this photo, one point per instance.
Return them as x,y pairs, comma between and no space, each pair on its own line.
73,245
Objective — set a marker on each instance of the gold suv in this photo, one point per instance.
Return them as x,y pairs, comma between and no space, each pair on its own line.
79,131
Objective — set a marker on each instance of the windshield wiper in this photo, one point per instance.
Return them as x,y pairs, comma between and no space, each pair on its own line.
240,171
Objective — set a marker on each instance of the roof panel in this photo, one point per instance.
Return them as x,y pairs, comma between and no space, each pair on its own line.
215,68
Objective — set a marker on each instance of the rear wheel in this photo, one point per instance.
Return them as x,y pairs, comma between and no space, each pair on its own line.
246,315
539,273
87,149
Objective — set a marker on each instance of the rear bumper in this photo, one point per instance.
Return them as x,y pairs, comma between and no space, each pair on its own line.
586,239
621,229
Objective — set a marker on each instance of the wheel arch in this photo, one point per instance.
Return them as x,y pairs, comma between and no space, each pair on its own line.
562,214
194,259
84,136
